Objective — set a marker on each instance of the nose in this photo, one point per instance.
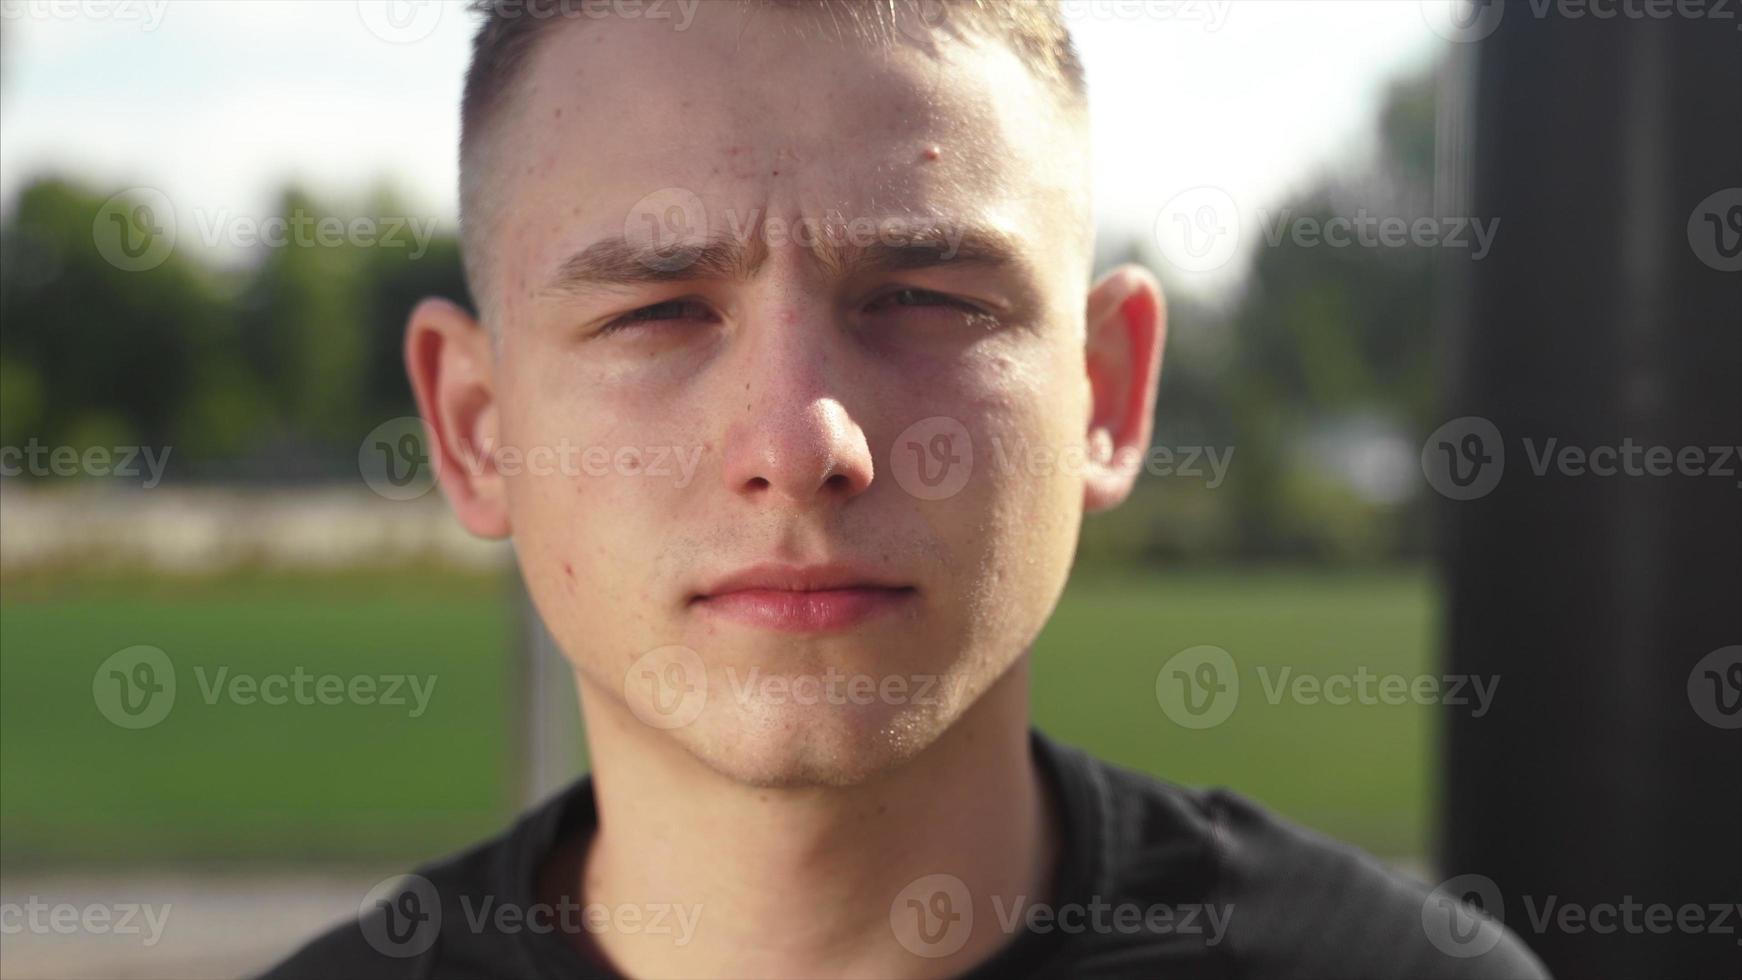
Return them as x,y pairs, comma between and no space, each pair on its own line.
795,442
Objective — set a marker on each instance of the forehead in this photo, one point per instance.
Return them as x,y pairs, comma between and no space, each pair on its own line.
745,117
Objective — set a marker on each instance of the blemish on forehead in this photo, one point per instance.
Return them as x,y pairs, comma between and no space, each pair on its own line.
932,152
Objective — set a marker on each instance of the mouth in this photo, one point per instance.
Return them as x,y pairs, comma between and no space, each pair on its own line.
794,599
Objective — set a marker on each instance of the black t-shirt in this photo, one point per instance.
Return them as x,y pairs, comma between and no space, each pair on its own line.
1153,881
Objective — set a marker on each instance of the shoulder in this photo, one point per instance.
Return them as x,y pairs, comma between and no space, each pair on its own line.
427,923
1296,903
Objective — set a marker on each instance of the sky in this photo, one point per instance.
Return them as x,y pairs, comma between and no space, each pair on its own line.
218,104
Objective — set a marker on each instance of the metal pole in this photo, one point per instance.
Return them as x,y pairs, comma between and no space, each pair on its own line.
1606,774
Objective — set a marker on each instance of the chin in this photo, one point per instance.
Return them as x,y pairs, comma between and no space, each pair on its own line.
780,744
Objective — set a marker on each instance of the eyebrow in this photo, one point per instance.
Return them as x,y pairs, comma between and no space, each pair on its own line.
613,263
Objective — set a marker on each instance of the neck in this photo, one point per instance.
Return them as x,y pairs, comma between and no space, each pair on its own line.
801,881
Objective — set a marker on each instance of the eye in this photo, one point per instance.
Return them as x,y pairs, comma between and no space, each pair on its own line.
912,298
670,311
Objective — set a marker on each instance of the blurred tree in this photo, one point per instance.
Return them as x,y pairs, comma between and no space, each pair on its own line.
94,353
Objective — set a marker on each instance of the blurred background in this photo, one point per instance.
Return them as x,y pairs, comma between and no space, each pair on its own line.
215,217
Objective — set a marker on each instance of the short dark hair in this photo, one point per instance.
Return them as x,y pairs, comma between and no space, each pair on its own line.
511,29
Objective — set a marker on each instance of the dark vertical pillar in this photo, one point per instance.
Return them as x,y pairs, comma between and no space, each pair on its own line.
1609,313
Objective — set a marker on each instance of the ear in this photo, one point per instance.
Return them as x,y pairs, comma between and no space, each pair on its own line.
1127,327
452,368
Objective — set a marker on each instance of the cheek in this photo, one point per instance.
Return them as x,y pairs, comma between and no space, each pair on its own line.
1013,526
587,519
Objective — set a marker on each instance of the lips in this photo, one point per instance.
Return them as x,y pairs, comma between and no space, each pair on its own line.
803,599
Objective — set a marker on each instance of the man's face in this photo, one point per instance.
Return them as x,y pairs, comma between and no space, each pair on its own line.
896,238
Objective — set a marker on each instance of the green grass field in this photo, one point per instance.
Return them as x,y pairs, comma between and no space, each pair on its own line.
225,783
